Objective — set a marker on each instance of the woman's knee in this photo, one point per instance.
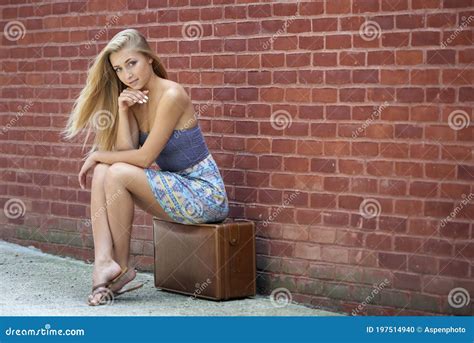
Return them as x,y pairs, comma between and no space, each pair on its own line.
115,173
100,170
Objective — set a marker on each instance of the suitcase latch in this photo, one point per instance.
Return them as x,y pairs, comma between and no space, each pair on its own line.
234,233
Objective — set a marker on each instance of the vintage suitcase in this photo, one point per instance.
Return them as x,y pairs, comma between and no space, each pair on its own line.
212,261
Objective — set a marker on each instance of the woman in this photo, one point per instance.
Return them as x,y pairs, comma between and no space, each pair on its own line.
140,117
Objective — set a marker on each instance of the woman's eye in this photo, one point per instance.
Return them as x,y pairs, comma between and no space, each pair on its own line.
131,63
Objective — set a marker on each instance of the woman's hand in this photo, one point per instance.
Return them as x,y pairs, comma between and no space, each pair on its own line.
130,97
89,163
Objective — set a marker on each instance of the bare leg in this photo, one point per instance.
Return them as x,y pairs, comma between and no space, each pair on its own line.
103,245
120,211
105,268
124,185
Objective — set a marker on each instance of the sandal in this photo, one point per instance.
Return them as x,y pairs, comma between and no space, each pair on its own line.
126,290
103,288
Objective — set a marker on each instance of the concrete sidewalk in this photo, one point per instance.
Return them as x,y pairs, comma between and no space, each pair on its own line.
38,284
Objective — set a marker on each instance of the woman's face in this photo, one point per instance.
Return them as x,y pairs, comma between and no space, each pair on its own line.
132,68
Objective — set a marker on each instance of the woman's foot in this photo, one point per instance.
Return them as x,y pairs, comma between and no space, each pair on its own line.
104,272
125,279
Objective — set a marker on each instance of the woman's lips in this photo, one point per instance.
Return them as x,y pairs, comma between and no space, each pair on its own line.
133,82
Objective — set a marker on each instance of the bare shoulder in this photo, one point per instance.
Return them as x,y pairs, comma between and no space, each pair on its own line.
177,92
182,103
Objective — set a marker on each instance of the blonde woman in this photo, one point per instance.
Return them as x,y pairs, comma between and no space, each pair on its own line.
139,117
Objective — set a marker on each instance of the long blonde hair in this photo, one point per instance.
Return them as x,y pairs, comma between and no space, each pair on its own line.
97,105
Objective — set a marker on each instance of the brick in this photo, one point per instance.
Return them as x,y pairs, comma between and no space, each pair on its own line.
337,184
352,95
392,261
408,169
307,251
323,130
364,149
281,249
423,189
338,112
454,190
352,58
437,284
349,202
395,40
364,185
466,56
334,254
311,148
335,218
294,267
408,57
461,249
424,302
420,4
408,244
336,148
380,168
422,264
352,167
338,7
325,59
456,4
425,38
338,41
378,241
409,21
307,217
407,281
322,200
397,299
361,6
323,165
408,207
410,95
456,268
437,247
328,95
296,164
393,187
394,77
338,76
320,235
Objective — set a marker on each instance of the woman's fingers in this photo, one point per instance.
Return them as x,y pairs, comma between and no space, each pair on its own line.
81,176
138,94
131,96
132,99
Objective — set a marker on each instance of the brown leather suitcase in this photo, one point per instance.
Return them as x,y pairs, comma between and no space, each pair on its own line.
212,261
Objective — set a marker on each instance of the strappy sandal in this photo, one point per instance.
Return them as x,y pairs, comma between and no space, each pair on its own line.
103,288
126,290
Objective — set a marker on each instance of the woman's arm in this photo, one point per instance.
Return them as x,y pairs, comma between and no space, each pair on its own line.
168,113
133,156
127,134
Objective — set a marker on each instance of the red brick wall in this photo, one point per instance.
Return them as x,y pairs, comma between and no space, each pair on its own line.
342,127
